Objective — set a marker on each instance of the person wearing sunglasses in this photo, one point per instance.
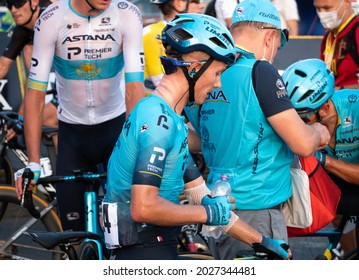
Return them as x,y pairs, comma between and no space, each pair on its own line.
310,85
151,165
250,130
25,13
92,45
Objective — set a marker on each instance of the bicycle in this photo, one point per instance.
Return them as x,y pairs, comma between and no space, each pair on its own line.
331,248
91,244
13,219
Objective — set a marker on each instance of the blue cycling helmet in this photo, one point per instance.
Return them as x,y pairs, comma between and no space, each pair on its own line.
309,83
198,32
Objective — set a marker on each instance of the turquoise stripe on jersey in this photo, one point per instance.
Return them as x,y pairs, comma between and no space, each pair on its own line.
98,69
134,77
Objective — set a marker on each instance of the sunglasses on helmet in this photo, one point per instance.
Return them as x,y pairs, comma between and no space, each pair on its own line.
284,34
16,3
170,65
306,114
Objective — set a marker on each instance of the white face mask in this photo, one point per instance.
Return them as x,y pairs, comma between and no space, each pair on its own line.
330,20
355,7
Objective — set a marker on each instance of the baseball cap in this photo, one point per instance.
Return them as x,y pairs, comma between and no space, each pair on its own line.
260,11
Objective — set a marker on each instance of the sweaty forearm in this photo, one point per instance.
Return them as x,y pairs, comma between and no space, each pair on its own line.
135,91
33,111
346,171
244,232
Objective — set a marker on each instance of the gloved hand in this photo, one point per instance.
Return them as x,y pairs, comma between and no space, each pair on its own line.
218,210
34,167
274,248
321,157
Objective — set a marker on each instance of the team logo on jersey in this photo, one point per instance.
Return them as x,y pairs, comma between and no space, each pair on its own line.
122,5
106,20
352,98
144,128
348,120
217,96
158,154
88,71
74,25
281,88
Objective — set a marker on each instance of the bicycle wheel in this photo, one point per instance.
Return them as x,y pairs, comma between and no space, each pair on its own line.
88,251
19,246
194,256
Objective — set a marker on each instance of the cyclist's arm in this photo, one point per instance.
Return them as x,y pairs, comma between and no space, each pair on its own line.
147,206
244,232
134,92
345,170
5,64
133,57
45,37
34,102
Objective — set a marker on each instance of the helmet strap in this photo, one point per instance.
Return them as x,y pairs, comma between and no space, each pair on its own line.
33,10
193,79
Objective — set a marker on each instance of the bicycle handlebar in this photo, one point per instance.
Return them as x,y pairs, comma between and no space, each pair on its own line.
28,175
77,177
9,116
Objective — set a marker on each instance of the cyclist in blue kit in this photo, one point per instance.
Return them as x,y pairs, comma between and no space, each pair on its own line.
151,165
93,45
310,85
250,130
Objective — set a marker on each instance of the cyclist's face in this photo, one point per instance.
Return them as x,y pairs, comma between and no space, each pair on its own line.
20,10
195,6
210,79
100,4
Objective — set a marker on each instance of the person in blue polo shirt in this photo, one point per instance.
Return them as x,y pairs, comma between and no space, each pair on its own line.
250,130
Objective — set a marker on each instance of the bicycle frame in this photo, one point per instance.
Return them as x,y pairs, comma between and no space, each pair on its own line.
91,211
23,229
92,222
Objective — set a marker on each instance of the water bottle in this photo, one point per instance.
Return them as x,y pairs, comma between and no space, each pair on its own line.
219,188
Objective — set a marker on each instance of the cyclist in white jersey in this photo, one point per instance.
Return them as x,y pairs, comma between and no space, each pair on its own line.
89,43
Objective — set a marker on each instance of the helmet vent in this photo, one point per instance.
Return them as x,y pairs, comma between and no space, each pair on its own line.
182,34
217,42
300,73
293,91
306,95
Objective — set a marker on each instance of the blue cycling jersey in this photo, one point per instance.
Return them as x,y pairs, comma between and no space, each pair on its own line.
237,139
152,150
346,103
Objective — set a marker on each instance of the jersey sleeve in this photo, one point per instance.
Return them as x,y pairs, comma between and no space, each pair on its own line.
270,89
20,37
45,38
155,140
132,45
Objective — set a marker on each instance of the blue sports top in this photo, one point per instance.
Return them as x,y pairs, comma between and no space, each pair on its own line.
237,139
346,103
89,55
151,150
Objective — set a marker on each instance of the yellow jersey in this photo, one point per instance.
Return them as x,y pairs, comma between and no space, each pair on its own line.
153,49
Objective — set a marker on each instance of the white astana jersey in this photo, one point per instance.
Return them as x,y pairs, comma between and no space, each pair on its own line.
89,55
